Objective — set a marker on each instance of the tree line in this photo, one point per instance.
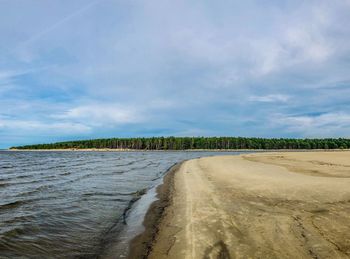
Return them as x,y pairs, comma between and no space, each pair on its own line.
188,143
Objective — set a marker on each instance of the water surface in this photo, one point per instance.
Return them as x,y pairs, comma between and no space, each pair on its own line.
65,204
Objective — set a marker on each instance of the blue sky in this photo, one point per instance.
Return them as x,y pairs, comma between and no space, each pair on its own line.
107,68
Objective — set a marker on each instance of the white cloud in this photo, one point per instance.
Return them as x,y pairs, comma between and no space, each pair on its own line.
6,76
38,127
308,44
8,80
270,98
101,114
323,125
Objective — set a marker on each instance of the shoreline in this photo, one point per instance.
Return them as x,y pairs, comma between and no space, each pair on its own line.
170,150
251,205
141,245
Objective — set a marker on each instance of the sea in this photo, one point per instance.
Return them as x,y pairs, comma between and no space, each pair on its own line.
64,204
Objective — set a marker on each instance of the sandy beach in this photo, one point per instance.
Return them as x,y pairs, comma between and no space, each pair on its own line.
266,205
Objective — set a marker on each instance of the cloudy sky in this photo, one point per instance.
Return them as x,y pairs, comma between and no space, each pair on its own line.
118,68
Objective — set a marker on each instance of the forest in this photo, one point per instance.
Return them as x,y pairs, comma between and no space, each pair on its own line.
189,143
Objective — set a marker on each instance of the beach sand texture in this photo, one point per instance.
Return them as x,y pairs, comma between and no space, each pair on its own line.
267,205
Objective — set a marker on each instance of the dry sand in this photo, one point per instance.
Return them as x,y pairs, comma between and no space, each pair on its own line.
267,205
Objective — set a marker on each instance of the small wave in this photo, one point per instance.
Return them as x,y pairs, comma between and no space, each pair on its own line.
109,235
81,177
156,178
120,172
11,205
106,199
137,196
43,188
18,176
83,163
14,232
65,173
4,184
116,172
141,167
16,219
108,194
128,163
39,181
56,166
153,163
23,176
32,193
6,166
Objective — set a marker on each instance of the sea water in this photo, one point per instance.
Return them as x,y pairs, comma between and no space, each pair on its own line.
72,204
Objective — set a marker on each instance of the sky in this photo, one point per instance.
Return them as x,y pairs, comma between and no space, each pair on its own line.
123,68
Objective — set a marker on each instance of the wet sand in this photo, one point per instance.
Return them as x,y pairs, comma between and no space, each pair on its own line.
267,205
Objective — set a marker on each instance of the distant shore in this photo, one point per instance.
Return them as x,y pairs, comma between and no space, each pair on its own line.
266,205
169,150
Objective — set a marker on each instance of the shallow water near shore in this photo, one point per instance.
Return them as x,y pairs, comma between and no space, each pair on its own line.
72,204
